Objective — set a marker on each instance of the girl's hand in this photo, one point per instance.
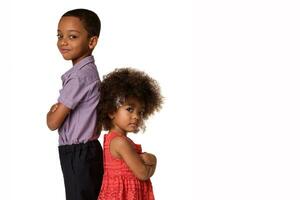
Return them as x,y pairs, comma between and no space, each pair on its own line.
148,158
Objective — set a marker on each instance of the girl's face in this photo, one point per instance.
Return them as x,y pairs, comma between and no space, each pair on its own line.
128,117
73,41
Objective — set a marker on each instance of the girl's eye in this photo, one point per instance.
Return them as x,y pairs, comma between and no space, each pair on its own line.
129,109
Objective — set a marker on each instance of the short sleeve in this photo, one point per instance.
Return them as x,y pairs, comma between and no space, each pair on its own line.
72,93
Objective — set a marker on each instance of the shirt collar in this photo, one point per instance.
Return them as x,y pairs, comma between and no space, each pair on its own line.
84,62
77,66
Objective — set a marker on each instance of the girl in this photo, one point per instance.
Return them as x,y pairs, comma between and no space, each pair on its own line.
128,97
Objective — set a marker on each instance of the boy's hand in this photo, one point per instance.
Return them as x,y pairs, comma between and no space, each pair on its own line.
54,107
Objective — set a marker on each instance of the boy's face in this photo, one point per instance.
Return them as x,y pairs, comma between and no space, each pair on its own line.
73,41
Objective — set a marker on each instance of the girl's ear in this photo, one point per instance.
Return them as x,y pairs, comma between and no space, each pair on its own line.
111,116
93,42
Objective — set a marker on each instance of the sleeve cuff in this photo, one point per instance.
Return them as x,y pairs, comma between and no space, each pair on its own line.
66,102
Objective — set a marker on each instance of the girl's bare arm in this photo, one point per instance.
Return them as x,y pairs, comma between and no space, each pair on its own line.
121,148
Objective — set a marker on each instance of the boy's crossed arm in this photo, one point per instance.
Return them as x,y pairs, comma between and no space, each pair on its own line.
57,115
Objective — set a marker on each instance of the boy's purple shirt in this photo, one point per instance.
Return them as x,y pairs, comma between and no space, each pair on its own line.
80,93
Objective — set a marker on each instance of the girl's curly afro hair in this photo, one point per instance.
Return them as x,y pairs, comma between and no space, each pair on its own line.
123,83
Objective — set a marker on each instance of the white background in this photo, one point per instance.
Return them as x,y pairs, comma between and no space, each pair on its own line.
229,71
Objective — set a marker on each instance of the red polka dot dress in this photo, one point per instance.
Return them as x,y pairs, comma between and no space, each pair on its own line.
119,183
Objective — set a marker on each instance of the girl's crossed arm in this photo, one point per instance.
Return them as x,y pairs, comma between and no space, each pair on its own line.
121,148
149,159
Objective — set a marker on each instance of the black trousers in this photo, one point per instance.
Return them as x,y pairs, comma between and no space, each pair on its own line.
82,167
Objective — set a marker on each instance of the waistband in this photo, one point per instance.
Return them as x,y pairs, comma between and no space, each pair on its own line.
75,147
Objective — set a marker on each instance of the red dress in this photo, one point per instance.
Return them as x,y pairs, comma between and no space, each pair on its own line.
119,183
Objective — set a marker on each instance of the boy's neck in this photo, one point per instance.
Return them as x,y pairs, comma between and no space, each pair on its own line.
74,62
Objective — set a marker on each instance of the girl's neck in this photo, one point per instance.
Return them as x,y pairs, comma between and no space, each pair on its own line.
118,132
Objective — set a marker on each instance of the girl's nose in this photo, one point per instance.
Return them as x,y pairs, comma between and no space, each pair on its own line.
136,116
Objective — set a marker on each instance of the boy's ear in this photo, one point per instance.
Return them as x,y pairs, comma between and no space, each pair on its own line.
93,42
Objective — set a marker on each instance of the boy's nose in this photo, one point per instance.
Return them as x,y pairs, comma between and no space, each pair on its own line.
63,42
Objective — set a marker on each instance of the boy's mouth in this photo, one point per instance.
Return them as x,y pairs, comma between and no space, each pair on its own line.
63,51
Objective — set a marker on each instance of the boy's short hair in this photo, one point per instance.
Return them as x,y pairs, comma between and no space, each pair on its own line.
89,19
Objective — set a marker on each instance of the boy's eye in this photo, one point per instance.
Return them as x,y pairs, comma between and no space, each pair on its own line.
72,36
59,36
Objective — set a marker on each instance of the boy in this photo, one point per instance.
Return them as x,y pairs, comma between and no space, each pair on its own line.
75,114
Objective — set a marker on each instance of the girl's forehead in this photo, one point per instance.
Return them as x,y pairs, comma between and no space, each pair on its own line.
134,102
